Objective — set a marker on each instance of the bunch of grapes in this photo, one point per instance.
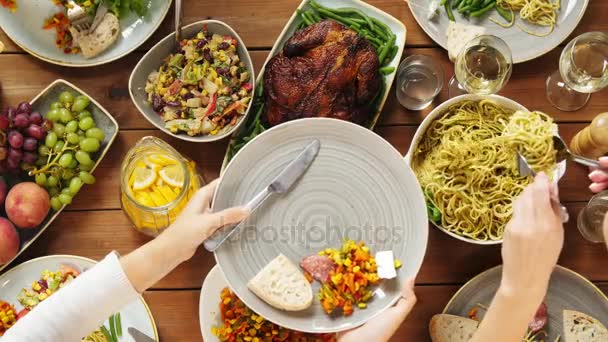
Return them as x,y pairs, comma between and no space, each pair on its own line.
23,130
65,158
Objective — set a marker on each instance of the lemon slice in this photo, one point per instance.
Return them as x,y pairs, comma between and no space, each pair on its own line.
161,160
151,165
144,199
172,175
167,193
158,199
143,178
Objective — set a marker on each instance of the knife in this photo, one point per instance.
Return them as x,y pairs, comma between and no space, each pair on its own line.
280,185
139,336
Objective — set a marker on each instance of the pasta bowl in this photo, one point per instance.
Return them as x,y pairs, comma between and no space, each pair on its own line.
559,170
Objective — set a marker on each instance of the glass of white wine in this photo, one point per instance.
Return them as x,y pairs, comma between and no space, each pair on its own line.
583,69
484,67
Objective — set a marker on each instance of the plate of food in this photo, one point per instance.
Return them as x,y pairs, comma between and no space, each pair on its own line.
219,307
308,76
46,159
464,154
573,310
530,28
26,285
201,92
340,243
43,28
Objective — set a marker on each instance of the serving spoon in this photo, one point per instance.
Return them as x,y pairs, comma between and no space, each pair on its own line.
178,22
564,153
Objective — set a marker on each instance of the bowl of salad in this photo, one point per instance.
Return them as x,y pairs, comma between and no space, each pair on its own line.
198,91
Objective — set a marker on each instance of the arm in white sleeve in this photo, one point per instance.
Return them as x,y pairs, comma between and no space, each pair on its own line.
79,308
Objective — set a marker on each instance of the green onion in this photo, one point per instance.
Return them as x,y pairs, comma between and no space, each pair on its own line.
113,329
106,333
118,325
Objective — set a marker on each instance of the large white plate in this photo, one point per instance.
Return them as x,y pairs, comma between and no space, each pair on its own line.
358,187
524,46
24,27
568,290
136,314
208,305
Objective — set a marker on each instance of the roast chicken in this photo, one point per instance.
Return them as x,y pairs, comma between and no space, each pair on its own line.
324,70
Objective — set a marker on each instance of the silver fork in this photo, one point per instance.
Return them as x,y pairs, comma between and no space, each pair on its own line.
78,16
525,170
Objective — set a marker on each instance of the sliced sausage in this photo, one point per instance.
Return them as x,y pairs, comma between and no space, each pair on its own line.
540,319
319,266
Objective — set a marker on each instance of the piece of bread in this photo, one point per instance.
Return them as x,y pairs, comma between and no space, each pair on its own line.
459,35
451,328
96,42
282,285
579,327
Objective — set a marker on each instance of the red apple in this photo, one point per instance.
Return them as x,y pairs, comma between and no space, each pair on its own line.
27,205
9,241
3,189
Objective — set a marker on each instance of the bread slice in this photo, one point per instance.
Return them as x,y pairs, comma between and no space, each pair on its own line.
96,42
579,327
282,285
451,328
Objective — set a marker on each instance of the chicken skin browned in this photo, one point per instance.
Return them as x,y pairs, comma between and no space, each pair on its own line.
324,70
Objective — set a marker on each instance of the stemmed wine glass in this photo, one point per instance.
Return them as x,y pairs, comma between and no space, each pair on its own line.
483,66
583,69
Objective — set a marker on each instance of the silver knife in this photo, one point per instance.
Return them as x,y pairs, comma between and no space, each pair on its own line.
139,336
280,185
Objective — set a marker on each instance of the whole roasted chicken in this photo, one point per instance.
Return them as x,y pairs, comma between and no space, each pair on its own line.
324,70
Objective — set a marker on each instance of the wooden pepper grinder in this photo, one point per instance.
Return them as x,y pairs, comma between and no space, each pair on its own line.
592,141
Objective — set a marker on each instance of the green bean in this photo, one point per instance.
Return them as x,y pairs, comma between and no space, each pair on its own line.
387,70
118,325
507,15
315,15
106,333
391,54
487,2
476,3
385,49
113,329
347,11
305,18
455,3
448,10
464,9
484,10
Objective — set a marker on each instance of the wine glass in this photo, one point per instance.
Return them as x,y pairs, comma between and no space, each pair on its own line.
483,66
583,69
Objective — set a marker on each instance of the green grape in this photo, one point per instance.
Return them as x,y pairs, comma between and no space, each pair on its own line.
75,185
83,158
59,129
73,164
65,198
43,150
59,146
53,190
52,181
96,133
65,191
67,174
53,114
41,161
40,179
81,133
56,105
72,126
84,114
86,177
89,145
72,138
86,123
65,160
56,203
65,115
50,140
66,97
83,167
80,103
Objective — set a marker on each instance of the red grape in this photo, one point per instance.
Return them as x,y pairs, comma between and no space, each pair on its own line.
30,144
36,118
24,107
14,155
36,131
15,139
4,122
21,120
11,112
30,157
47,124
12,164
3,153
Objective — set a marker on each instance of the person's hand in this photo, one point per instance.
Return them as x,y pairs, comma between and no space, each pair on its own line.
599,178
383,326
533,240
196,223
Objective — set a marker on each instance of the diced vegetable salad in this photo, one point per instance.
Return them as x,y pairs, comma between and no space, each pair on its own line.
49,283
203,88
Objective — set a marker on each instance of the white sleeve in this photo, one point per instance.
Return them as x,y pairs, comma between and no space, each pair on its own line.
79,308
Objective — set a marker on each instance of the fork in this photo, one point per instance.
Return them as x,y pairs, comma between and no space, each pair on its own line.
525,170
78,16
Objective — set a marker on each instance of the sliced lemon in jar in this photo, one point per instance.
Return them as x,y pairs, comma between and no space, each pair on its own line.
143,198
172,175
161,160
158,199
143,178
167,193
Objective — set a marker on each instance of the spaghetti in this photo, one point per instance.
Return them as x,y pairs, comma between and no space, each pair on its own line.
466,164
538,12
95,336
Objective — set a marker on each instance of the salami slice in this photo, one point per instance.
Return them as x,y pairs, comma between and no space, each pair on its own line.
540,319
318,266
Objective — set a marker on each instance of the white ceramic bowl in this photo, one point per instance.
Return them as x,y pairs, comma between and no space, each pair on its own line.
154,59
438,112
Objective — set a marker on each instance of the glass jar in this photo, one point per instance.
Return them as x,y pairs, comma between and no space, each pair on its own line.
591,219
156,183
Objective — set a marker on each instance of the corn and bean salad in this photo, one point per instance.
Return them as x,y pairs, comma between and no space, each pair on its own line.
242,324
49,283
8,316
203,88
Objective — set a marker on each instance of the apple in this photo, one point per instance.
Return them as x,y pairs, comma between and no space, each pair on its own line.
27,205
9,241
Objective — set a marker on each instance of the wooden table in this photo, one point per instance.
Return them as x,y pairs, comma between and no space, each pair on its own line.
95,224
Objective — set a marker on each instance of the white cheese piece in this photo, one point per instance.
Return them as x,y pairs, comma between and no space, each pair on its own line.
386,265
459,35
433,9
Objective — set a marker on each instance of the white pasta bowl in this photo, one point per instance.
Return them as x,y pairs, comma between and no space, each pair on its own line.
560,170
